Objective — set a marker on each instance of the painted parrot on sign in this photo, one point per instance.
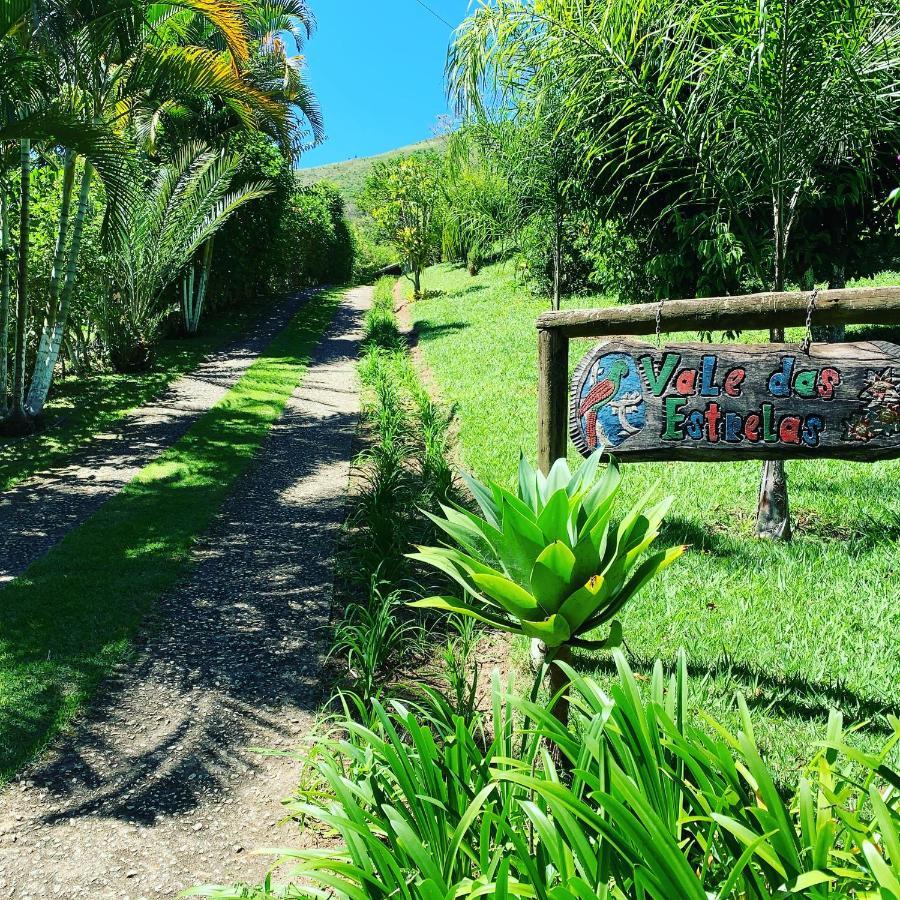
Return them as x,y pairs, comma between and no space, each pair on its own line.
600,395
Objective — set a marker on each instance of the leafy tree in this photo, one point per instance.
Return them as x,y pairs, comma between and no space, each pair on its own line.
541,164
739,110
402,196
479,206
509,179
94,84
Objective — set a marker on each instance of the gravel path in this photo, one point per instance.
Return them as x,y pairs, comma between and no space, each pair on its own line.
154,790
36,514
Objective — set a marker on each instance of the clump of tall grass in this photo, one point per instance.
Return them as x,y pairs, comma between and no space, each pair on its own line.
370,636
403,472
650,805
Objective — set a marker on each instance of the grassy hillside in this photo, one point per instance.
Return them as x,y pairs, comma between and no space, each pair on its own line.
350,175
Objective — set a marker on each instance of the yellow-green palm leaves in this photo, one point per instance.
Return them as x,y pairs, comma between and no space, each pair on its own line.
549,561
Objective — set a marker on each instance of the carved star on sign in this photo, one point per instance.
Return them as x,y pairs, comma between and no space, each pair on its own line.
882,387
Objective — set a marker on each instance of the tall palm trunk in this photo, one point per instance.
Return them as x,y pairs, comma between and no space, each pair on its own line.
5,266
55,326
18,398
51,313
557,258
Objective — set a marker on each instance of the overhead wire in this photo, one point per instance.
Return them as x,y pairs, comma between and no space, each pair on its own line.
437,15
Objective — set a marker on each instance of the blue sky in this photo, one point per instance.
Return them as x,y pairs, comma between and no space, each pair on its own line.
377,67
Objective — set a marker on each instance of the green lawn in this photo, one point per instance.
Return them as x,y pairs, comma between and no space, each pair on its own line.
798,628
80,408
70,617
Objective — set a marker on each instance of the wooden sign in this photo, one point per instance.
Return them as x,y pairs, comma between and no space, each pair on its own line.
728,402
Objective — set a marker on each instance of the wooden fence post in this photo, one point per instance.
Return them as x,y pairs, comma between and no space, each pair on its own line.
553,390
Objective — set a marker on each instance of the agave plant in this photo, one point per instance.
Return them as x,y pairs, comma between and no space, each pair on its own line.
549,562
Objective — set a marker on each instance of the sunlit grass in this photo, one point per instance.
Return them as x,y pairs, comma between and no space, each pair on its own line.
70,617
799,628
81,407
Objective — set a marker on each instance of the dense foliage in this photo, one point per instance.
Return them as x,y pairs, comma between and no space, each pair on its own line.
428,804
734,145
294,237
116,180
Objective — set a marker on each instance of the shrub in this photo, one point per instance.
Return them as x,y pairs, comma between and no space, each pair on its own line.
368,637
428,805
370,255
253,248
181,207
549,562
321,240
293,238
536,254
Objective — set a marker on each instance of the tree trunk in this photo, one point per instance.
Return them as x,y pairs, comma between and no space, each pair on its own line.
48,355
559,681
773,516
191,301
45,359
557,262
417,283
187,297
832,334
4,298
17,415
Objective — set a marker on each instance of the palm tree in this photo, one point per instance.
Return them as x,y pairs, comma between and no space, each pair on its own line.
732,106
105,69
212,118
479,209
5,265
89,80
180,208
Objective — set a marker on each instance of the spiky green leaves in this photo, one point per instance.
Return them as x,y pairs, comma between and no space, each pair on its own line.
548,561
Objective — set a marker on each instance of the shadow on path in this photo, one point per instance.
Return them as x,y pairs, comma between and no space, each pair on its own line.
37,513
155,789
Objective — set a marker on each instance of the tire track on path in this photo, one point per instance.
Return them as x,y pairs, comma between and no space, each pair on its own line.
38,512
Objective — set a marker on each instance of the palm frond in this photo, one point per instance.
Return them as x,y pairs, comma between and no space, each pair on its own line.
227,17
